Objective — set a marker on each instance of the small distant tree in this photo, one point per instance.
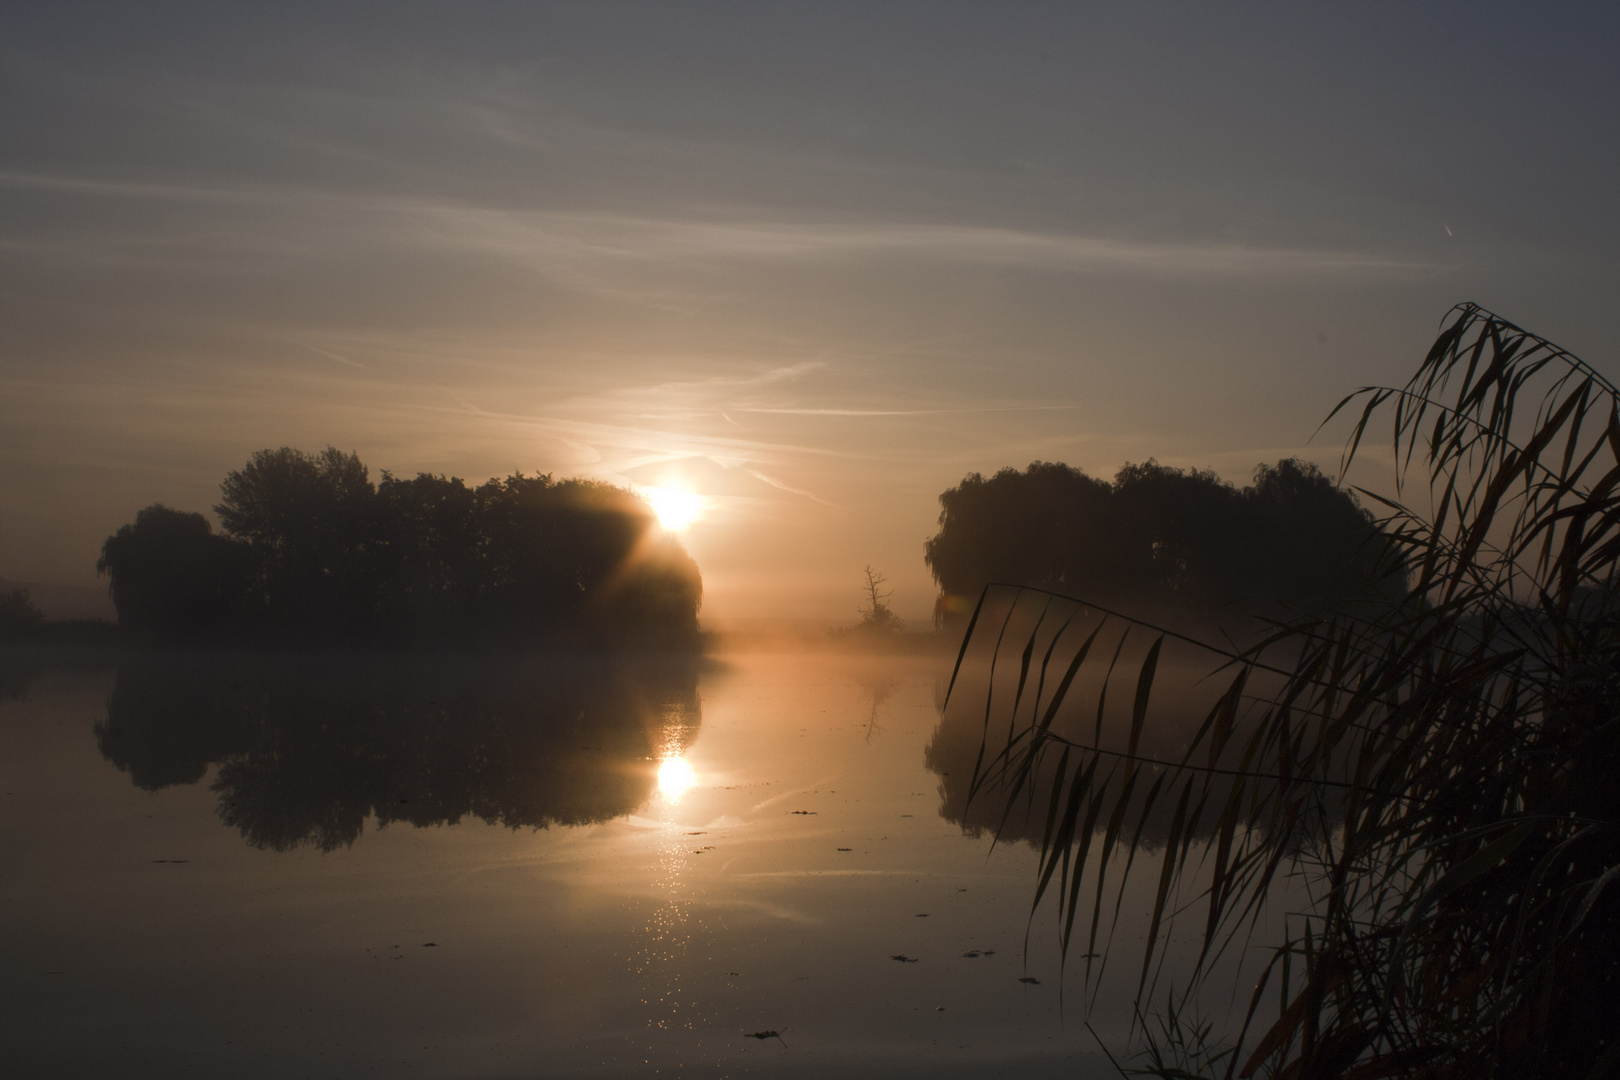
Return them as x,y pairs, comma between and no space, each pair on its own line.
171,578
19,618
876,615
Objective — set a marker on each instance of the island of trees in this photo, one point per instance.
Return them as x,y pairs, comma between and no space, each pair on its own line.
311,551
1168,544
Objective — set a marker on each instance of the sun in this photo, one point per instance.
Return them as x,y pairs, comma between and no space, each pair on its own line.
677,507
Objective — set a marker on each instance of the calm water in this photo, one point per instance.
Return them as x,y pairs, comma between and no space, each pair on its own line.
514,869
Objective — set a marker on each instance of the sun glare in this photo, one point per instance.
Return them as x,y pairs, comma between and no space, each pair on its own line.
676,507
675,778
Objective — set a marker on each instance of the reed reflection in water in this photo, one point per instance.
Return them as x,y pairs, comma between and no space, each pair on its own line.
1095,711
306,748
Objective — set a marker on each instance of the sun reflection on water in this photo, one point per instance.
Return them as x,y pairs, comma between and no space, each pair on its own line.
661,956
675,778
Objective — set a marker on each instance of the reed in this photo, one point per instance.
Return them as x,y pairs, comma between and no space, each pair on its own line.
1435,769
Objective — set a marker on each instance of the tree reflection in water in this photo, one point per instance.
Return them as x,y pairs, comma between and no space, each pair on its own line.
308,746
1097,713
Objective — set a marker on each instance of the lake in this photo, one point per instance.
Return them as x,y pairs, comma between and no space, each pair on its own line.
526,867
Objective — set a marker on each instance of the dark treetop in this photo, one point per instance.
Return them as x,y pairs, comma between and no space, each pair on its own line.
313,552
1158,540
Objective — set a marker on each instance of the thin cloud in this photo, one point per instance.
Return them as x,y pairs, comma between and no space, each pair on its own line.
565,241
906,412
339,359
627,438
775,483
541,236
838,412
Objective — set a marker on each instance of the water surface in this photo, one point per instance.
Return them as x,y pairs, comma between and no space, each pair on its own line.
541,867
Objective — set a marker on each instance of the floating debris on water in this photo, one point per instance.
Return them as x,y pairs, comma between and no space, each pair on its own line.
763,1035
903,958
1029,979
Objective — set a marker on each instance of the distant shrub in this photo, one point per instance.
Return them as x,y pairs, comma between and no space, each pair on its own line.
19,618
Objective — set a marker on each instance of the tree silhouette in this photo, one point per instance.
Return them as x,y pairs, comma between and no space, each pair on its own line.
1042,526
308,520
172,579
1158,539
316,553
19,618
876,617
428,553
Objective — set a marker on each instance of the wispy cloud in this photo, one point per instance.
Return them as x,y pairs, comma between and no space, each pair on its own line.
539,236
337,357
903,412
775,483
626,445
562,240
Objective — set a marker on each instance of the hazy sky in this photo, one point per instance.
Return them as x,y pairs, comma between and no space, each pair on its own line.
825,259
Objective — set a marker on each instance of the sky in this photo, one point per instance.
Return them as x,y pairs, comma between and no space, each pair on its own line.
820,261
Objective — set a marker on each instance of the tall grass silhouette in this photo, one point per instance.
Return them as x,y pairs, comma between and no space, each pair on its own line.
1434,772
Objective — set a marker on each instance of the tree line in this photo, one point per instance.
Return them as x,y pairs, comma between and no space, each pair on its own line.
310,550
1164,542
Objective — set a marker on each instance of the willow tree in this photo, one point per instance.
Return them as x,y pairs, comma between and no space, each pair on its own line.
1437,770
